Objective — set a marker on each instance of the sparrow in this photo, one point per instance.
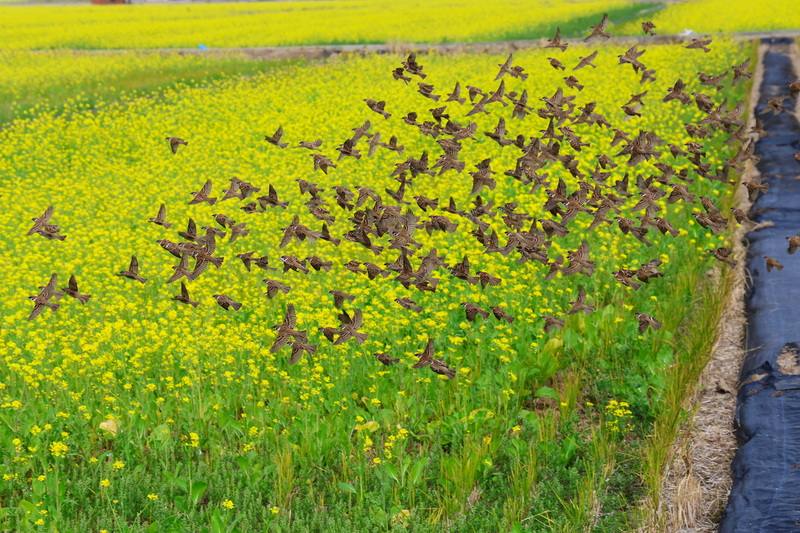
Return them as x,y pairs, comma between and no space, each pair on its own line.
72,290
226,302
42,300
794,243
133,271
647,321
772,263
276,137
161,218
175,142
183,297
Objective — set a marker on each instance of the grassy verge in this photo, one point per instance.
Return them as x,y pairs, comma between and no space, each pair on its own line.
699,335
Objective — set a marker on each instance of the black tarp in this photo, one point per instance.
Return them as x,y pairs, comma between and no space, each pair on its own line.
765,496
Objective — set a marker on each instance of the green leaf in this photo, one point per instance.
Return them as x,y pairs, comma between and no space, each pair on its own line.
162,434
547,392
347,487
28,507
417,470
198,489
392,471
217,523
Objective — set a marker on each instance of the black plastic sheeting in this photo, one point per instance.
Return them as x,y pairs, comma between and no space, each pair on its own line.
765,496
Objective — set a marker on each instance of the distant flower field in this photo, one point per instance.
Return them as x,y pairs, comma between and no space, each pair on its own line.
286,23
135,412
293,22
721,16
34,81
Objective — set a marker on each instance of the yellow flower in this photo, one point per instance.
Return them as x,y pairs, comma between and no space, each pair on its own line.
58,449
104,483
118,465
274,510
228,504
152,497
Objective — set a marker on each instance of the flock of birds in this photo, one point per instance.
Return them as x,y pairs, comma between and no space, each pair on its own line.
375,216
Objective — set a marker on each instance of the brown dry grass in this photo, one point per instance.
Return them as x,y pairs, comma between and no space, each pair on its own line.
697,477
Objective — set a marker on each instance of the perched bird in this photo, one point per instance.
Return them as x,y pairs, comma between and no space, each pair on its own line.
724,255
175,142
647,321
133,271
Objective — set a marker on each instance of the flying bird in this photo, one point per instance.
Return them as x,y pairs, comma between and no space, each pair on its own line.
175,142
133,271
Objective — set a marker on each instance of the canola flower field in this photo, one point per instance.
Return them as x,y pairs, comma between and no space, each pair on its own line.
361,21
295,22
719,16
33,82
132,412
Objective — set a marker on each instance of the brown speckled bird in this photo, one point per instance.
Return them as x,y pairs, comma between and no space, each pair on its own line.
175,142
772,263
133,271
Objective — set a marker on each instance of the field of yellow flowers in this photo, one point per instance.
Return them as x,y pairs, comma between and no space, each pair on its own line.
298,22
363,21
723,16
33,82
133,412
